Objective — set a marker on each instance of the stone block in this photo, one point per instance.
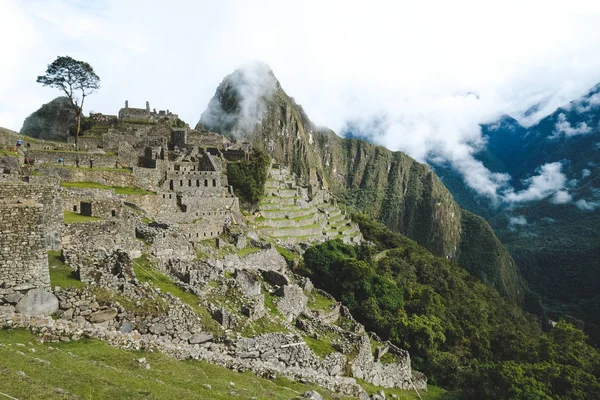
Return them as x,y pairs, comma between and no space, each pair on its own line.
102,316
13,298
199,338
157,329
248,282
37,302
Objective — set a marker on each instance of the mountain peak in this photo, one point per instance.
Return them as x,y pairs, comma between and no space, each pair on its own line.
239,102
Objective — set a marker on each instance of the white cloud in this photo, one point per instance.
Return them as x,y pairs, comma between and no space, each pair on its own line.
561,197
563,126
514,222
586,205
434,69
549,180
585,173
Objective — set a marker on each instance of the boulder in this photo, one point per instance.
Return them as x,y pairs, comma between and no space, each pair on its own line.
248,282
126,327
37,302
311,395
199,338
101,316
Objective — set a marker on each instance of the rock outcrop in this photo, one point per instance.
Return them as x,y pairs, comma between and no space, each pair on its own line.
53,121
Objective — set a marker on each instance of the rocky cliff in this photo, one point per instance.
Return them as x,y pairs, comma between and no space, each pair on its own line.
407,196
53,121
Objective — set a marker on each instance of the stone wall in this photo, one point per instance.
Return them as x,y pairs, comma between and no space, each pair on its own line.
48,195
69,157
120,177
88,142
82,241
23,257
104,208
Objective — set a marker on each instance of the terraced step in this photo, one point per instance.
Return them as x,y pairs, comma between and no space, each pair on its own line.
309,219
291,231
335,219
282,193
291,213
278,200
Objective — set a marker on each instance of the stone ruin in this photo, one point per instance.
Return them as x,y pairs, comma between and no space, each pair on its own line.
188,201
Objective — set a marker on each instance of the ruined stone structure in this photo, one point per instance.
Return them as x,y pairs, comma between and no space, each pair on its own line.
178,223
128,113
23,258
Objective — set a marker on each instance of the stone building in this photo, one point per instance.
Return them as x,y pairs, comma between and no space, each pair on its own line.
128,113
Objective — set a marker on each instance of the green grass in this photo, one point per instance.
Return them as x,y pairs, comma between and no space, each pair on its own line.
145,272
117,189
5,152
90,369
154,306
321,347
317,301
261,326
60,273
247,250
270,302
432,393
73,218
289,256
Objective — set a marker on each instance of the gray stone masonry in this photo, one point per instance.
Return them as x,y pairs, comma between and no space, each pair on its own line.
23,257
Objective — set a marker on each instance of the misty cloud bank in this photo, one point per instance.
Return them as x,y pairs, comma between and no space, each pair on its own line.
239,102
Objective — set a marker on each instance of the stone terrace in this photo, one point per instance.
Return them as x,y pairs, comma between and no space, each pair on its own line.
286,214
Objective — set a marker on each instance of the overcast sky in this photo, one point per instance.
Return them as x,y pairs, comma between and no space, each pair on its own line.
433,69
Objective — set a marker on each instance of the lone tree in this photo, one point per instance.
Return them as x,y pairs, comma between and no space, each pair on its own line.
75,78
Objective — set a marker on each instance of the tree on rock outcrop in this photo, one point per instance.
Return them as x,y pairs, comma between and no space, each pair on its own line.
75,78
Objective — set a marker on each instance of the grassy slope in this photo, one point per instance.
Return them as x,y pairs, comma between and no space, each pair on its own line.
90,369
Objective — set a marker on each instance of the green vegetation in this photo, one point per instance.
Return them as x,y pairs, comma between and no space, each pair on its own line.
90,369
248,177
261,326
61,274
290,257
460,332
247,250
154,306
317,301
117,189
73,218
321,346
145,272
10,153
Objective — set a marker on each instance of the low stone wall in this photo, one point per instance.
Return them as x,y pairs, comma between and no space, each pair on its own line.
388,375
109,178
69,157
87,142
23,257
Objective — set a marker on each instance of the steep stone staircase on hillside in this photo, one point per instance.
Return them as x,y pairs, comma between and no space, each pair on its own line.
288,215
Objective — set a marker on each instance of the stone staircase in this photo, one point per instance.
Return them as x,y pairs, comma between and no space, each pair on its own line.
286,214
